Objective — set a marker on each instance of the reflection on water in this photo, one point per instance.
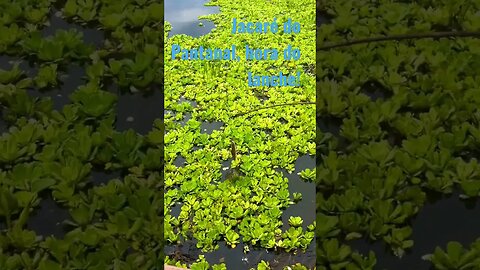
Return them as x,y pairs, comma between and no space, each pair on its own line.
183,16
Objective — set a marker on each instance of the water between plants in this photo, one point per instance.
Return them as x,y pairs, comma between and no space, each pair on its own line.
235,259
183,16
442,218
134,111
439,221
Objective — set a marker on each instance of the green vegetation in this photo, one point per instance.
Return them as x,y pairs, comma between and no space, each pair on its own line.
248,207
408,124
456,257
47,153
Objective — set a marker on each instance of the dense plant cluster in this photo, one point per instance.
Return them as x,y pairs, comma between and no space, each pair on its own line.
403,121
247,207
49,154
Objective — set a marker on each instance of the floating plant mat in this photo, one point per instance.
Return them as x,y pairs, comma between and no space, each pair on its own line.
78,190
226,173
405,126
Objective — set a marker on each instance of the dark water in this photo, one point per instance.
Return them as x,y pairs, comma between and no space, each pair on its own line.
47,219
7,63
179,161
138,111
375,90
226,169
69,81
183,16
235,258
101,177
90,36
306,207
439,221
330,124
209,127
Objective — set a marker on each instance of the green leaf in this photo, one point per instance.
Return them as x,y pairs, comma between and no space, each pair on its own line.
112,21
295,221
49,265
8,203
156,11
50,50
70,8
10,76
82,215
47,76
94,102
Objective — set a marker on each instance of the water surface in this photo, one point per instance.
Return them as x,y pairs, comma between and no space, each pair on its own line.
441,220
183,16
235,258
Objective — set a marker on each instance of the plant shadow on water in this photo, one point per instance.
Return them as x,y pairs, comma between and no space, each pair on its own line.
432,227
47,219
183,16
